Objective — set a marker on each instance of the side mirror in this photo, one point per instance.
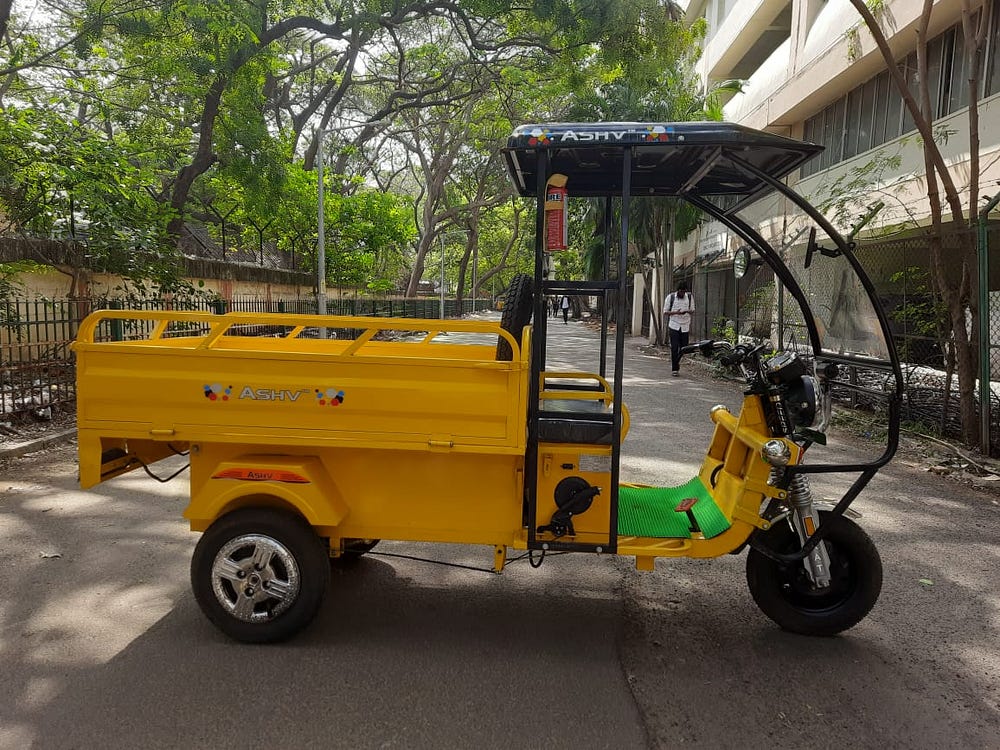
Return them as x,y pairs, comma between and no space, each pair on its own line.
810,247
741,261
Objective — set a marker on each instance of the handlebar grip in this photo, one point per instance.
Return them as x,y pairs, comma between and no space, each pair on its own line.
689,349
733,358
736,356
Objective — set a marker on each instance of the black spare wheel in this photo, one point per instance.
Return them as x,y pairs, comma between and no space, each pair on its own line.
516,313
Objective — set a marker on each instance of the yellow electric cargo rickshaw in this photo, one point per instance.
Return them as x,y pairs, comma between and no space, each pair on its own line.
304,448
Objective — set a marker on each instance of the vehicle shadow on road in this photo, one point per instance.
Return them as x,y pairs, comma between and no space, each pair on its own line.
401,655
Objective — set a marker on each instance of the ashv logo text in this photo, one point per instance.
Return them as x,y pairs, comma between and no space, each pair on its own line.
271,394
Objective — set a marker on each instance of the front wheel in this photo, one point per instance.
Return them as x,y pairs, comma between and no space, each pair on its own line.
785,593
260,574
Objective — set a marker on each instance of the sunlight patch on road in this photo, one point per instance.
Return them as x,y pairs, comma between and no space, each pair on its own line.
38,693
94,623
658,466
16,736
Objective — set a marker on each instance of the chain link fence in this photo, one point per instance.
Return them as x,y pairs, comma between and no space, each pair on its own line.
752,308
231,246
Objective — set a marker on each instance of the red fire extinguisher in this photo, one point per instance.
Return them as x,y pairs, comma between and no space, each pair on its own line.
556,229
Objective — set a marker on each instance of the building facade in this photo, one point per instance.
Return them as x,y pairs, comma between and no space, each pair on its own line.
812,71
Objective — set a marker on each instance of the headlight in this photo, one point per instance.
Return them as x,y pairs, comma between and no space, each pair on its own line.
785,368
800,400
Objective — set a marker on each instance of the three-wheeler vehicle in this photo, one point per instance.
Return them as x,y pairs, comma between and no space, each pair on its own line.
305,448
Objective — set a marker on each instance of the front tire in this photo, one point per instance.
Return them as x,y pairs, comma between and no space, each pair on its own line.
785,593
260,574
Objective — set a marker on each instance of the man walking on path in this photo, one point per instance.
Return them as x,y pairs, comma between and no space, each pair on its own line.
677,308
565,309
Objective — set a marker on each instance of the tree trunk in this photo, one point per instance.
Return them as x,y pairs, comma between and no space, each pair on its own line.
418,264
958,297
203,159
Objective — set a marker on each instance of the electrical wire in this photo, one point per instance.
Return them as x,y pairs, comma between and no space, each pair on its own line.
160,479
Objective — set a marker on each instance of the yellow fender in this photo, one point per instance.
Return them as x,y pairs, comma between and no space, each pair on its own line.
299,482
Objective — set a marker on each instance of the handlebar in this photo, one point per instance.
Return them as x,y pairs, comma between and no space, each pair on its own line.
735,355
707,347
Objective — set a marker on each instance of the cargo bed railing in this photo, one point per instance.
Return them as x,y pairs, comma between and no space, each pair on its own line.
221,327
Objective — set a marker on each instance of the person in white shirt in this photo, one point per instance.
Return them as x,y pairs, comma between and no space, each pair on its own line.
677,309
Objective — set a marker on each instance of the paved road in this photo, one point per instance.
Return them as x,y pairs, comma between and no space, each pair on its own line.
102,645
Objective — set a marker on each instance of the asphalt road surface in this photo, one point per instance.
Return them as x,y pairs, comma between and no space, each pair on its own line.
102,645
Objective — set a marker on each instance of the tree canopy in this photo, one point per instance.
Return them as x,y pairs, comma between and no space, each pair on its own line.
123,123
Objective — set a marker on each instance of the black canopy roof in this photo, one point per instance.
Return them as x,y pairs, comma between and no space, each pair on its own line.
667,158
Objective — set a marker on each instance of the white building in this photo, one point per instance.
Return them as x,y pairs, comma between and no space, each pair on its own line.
812,71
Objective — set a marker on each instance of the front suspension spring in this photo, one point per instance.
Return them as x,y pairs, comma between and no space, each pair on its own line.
799,493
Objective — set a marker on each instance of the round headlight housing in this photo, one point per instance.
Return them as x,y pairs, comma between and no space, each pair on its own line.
800,401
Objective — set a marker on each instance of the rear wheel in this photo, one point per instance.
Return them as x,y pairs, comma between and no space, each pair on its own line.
517,309
785,593
260,574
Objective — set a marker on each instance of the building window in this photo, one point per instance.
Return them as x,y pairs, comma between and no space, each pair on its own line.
955,92
853,124
912,78
882,94
874,113
894,114
992,66
866,122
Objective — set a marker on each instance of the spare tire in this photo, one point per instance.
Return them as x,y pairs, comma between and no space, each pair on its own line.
517,309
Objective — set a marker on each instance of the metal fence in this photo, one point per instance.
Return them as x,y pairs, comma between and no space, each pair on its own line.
229,244
37,371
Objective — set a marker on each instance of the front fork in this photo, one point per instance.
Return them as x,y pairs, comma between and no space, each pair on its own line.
805,520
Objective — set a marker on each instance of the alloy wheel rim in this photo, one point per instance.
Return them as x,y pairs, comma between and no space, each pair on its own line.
255,578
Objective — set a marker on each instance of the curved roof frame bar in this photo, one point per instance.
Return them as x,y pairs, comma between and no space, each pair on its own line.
752,237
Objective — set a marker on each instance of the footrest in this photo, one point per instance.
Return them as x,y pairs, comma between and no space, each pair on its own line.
665,512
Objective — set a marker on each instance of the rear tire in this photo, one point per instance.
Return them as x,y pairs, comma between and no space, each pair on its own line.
517,310
784,592
260,574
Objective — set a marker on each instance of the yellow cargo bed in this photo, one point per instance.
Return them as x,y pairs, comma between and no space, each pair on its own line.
185,377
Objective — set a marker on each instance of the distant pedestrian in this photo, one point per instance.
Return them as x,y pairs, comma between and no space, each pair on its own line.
555,307
565,308
677,308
